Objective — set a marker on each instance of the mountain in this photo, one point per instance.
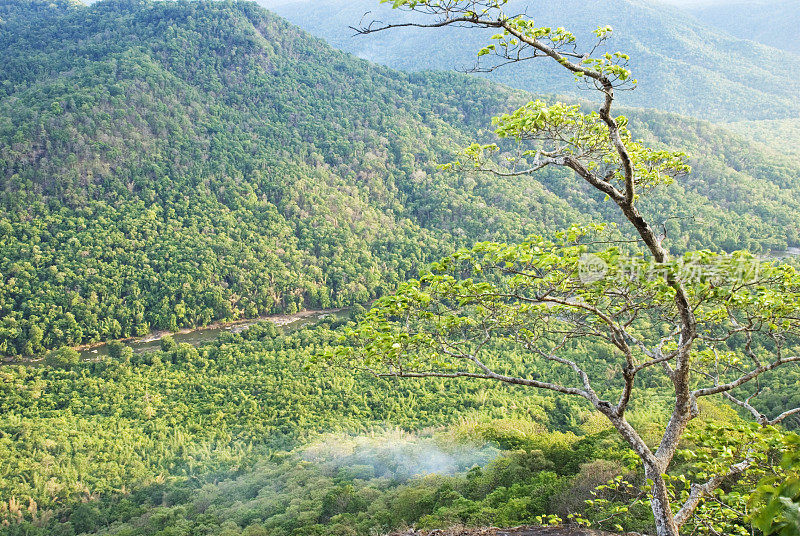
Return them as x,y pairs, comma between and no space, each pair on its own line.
776,23
169,164
682,65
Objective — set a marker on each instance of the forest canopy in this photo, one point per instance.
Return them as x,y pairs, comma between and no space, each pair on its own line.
166,165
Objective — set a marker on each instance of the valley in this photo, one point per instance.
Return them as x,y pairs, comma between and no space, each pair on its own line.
252,284
121,246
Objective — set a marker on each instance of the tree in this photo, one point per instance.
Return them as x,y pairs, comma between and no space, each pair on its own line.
705,324
64,357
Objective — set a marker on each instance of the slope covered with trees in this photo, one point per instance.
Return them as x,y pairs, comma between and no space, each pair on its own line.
682,64
771,22
781,135
164,165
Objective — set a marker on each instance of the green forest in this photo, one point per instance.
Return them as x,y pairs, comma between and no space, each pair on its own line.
167,165
220,440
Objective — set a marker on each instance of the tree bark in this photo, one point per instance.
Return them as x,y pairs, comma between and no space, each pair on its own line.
660,504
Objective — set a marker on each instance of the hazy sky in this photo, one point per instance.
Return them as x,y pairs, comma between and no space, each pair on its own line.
270,3
682,3
694,3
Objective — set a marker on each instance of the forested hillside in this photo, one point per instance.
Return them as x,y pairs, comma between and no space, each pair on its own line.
169,164
164,165
682,64
775,23
101,430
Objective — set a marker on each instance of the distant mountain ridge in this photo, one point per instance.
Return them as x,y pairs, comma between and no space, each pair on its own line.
682,65
777,24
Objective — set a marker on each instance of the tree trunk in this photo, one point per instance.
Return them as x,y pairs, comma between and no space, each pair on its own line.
660,504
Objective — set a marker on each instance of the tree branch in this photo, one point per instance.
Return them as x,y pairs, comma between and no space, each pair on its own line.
488,376
717,389
760,418
699,491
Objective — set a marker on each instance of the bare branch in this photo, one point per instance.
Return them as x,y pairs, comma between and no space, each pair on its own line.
717,389
760,418
489,376
699,491
372,28
587,385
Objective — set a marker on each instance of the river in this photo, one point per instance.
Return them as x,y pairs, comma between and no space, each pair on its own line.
782,254
199,336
